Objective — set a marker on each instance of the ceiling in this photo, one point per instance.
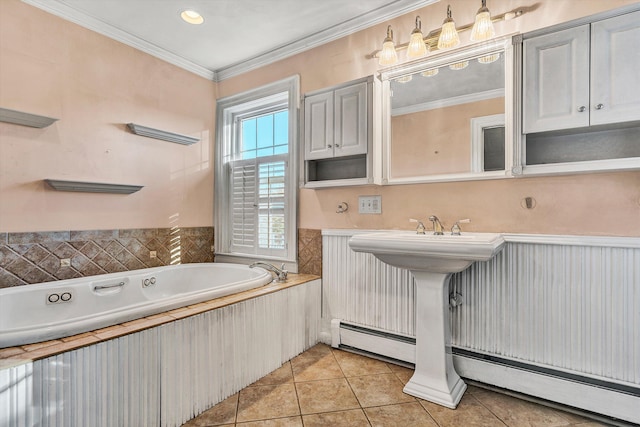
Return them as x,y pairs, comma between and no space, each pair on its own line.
236,36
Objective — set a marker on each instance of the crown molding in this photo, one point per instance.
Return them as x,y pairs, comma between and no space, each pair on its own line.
73,15
366,20
390,11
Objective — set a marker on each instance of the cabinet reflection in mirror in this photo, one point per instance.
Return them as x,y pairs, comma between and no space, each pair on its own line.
446,117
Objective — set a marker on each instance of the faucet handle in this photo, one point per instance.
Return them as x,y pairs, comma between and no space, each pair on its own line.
455,230
420,229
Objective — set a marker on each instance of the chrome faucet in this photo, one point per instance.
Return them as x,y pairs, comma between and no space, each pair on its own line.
281,273
437,225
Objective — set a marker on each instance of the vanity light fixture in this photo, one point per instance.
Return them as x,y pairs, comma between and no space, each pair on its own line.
430,73
488,59
388,55
448,35
483,27
191,17
404,79
459,65
417,46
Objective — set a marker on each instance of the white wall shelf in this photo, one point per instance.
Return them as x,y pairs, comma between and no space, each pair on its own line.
25,119
92,187
161,134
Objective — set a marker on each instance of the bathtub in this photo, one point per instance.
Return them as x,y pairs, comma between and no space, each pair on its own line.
46,311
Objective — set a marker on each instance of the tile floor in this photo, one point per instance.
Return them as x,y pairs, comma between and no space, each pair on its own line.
329,387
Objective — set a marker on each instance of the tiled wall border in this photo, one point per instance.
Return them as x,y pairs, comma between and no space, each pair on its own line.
36,257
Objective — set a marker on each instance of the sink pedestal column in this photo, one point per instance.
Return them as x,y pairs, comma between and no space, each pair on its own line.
435,378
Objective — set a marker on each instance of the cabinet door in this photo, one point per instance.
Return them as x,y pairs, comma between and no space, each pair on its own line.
350,135
318,126
615,65
556,81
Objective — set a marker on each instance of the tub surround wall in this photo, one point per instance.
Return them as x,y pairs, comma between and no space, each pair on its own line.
27,258
310,251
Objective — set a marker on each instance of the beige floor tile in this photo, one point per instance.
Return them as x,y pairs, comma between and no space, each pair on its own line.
266,402
469,413
282,375
520,413
405,414
377,390
224,413
354,365
277,422
326,396
317,363
404,374
353,418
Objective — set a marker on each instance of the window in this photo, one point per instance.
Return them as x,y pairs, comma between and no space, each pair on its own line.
255,194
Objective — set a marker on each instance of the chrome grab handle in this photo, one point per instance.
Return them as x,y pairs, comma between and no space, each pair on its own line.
115,285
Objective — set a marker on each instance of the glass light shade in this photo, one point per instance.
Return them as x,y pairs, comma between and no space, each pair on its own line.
483,27
459,65
448,35
430,73
488,59
404,79
417,47
388,55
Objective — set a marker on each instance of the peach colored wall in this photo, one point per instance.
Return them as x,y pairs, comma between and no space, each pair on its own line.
592,204
436,141
95,85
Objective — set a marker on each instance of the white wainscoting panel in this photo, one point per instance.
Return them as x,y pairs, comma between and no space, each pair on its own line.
569,303
360,289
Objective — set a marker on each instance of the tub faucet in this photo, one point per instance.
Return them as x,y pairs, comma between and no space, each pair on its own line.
437,225
281,273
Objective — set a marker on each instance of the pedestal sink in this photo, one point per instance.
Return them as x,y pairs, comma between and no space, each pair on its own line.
431,259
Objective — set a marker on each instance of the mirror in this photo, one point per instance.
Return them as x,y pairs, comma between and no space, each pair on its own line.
445,117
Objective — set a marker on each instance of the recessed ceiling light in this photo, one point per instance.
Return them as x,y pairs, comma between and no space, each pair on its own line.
192,17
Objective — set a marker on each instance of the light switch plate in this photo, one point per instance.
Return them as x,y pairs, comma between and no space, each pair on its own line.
370,204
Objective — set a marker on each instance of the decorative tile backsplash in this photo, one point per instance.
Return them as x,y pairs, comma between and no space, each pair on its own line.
310,251
27,258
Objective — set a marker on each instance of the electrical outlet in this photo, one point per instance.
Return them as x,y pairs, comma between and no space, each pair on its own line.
370,204
153,254
65,262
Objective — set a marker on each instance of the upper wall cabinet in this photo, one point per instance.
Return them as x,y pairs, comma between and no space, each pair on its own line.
338,135
336,122
583,76
580,96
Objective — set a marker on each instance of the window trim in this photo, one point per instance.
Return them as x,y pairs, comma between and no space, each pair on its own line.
261,99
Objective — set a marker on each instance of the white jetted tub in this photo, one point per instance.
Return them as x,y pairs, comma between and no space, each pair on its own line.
45,311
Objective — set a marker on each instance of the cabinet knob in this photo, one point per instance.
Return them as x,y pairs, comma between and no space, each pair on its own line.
328,145
582,109
599,106
337,145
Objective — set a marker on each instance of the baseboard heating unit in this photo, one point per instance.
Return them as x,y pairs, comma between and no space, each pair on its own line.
590,394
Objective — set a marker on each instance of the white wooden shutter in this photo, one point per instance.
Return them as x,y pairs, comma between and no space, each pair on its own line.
272,236
243,206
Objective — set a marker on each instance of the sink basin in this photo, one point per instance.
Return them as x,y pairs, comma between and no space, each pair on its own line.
428,252
431,259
